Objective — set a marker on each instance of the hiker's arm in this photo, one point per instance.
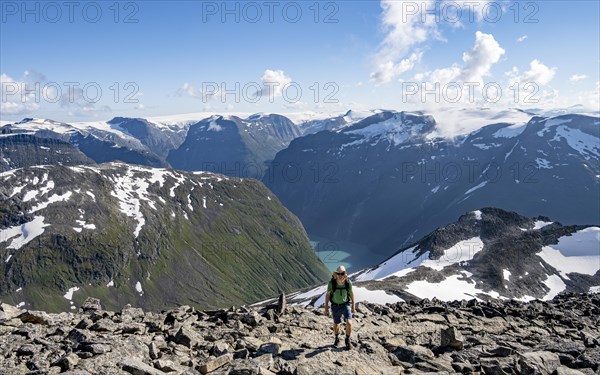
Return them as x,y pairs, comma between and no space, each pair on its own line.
327,298
352,299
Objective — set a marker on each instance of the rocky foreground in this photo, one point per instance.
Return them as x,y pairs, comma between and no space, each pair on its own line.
554,337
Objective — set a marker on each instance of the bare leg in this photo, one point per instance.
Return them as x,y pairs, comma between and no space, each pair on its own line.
348,327
336,329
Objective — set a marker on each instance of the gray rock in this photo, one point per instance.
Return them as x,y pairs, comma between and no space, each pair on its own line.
35,317
68,362
213,363
154,351
544,363
8,312
271,348
281,304
452,338
91,304
219,348
165,365
27,350
186,336
129,313
252,318
413,353
104,325
136,367
563,370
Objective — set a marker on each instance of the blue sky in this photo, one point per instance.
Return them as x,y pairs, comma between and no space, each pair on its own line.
165,58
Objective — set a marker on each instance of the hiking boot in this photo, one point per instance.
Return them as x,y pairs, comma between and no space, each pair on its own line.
336,341
348,344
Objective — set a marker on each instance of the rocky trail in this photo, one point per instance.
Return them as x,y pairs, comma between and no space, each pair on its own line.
561,336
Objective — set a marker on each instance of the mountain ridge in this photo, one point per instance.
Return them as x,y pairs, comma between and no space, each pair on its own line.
153,237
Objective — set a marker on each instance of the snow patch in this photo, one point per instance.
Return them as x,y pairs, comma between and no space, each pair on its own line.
25,232
391,267
477,214
506,274
586,144
510,131
578,253
450,289
556,285
375,296
543,163
461,252
53,199
476,187
540,224
69,294
138,288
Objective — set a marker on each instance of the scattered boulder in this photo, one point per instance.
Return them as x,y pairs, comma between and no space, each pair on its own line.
489,337
35,317
452,338
91,304
213,363
136,367
544,363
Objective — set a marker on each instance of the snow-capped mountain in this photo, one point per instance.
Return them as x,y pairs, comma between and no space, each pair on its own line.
100,141
150,237
389,179
164,142
315,125
233,145
486,254
160,138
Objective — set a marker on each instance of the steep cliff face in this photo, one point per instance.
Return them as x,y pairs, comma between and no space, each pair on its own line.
25,150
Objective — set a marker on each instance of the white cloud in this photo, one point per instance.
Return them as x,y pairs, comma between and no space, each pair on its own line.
522,38
18,97
478,62
538,73
404,30
591,98
407,25
577,77
389,70
479,59
208,92
274,81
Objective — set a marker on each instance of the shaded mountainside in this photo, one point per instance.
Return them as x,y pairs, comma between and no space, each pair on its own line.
24,150
234,146
486,254
99,141
553,337
158,139
392,168
150,237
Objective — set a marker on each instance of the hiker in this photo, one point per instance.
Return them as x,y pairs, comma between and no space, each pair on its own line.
339,292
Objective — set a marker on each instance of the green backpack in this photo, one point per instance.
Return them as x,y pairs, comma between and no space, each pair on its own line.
334,287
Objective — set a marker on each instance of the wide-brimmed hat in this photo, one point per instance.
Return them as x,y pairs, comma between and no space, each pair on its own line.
341,269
